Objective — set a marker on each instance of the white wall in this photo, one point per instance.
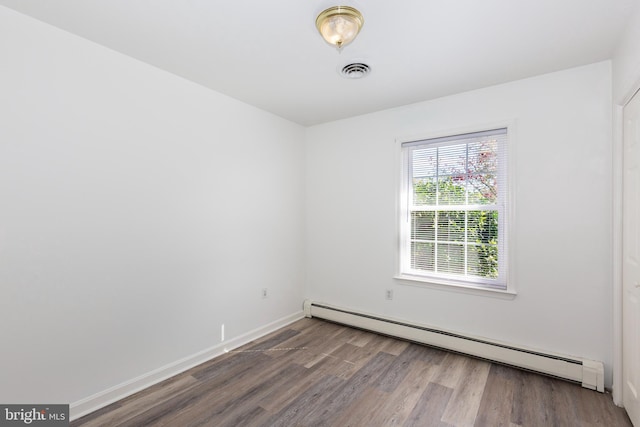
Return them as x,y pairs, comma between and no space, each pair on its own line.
138,213
626,60
563,213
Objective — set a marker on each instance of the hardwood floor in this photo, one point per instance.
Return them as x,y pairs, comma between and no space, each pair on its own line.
316,373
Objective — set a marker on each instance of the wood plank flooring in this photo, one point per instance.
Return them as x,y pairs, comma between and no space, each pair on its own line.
317,373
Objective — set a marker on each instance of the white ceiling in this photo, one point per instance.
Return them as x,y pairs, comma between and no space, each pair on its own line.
269,54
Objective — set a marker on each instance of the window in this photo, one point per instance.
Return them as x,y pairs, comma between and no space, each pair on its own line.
453,210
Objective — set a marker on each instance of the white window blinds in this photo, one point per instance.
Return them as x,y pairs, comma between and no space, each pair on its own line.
455,193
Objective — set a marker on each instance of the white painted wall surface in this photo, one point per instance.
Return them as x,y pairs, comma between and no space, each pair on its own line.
138,213
563,213
626,60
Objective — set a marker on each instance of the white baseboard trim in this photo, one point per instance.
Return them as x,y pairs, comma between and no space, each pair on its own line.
589,373
101,399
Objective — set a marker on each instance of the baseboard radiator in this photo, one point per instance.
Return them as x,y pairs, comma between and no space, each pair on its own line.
589,373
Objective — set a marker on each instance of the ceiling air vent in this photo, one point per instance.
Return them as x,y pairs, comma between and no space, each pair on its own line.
357,70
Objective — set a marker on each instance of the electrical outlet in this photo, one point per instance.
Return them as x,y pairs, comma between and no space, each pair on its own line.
222,333
265,292
389,294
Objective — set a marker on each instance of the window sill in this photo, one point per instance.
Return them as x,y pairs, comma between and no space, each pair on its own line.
444,285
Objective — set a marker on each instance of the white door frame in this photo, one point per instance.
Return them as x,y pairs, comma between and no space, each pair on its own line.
618,145
618,121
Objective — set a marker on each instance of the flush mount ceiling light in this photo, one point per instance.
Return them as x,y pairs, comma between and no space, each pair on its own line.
339,25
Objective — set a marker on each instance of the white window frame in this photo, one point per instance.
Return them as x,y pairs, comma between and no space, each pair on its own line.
506,214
